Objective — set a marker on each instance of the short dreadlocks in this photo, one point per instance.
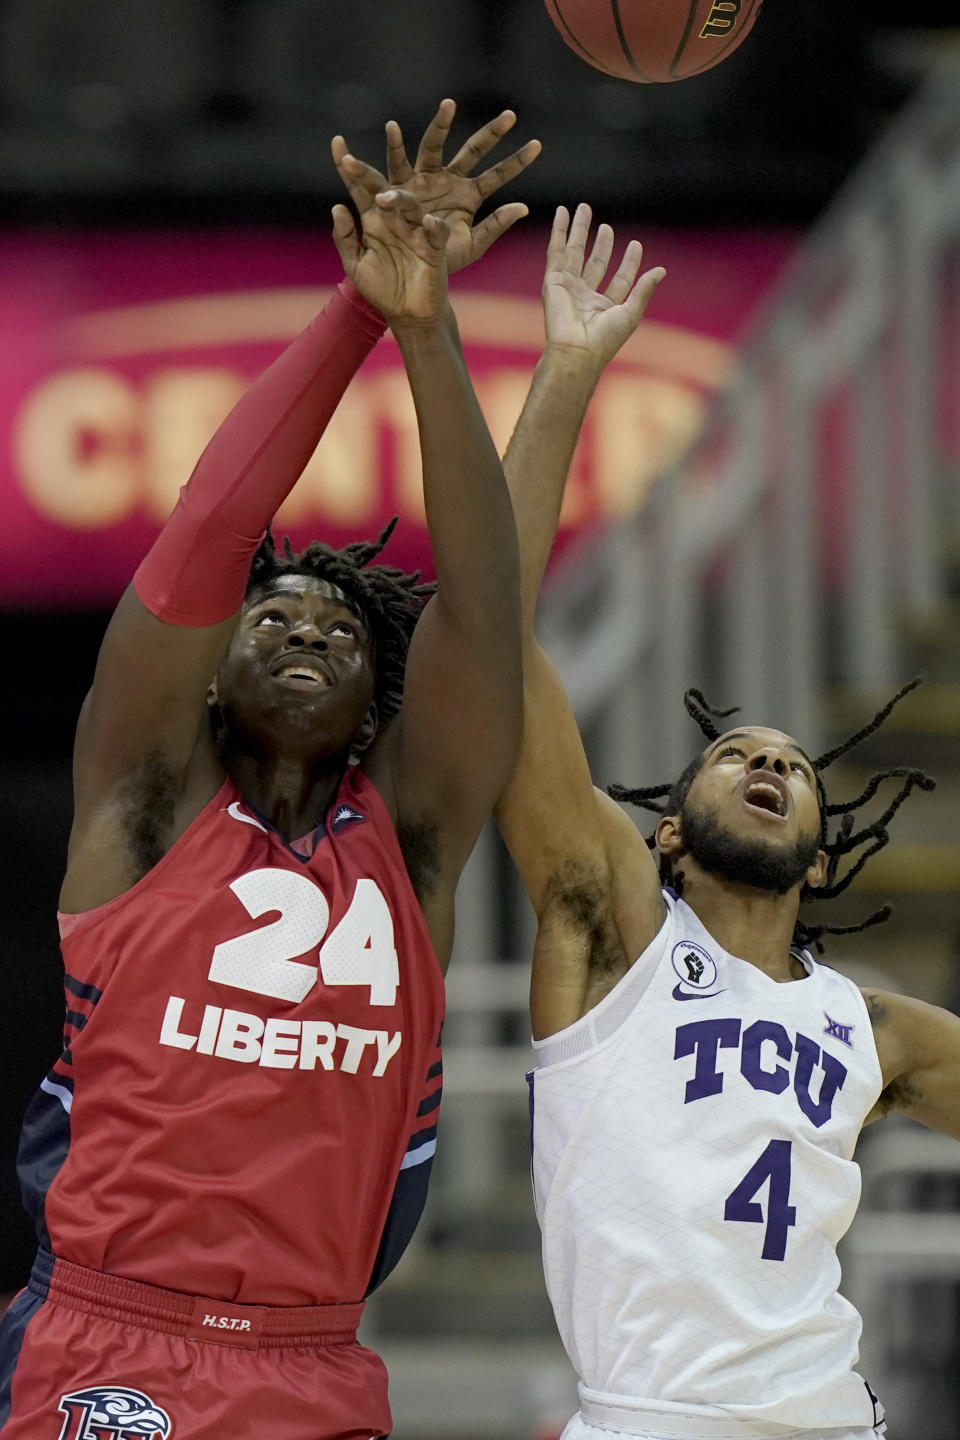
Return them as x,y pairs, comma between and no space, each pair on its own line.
669,799
389,600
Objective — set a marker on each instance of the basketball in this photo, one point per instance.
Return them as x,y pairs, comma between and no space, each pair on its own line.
653,41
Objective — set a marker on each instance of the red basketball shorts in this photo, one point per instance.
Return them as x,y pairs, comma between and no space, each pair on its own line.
95,1357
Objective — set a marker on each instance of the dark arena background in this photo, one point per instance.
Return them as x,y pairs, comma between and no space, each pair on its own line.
166,185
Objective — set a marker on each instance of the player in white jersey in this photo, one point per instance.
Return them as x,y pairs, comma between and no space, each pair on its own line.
700,1079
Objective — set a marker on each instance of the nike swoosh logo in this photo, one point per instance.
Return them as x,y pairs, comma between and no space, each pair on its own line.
679,994
235,813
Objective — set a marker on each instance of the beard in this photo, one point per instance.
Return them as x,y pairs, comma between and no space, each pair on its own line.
743,861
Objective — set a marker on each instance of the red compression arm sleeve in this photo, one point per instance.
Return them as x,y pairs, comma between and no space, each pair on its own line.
196,571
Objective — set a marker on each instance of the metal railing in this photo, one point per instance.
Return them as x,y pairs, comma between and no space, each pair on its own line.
836,420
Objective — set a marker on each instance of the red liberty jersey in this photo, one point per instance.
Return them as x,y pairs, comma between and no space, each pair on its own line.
246,1105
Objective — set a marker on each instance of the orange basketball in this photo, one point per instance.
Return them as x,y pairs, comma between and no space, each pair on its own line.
653,41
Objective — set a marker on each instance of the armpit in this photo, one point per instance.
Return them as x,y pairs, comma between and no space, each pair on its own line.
147,812
579,902
420,845
900,1096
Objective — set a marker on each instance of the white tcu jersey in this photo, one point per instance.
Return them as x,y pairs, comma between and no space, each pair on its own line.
693,1171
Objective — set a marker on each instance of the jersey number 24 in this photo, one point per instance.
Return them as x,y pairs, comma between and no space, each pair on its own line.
358,951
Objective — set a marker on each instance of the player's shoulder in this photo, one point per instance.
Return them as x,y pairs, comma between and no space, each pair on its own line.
899,1024
362,823
911,1036
892,1016
358,801
404,856
115,850
905,1025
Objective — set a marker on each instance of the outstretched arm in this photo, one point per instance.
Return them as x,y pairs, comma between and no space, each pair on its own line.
586,326
143,745
918,1046
443,762
143,726
587,871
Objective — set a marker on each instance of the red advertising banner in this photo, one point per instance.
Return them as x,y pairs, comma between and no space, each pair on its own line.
120,354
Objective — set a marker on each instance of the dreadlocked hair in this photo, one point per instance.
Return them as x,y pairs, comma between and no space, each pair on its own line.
669,799
389,600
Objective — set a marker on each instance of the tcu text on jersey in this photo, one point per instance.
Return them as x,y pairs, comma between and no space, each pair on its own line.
767,1058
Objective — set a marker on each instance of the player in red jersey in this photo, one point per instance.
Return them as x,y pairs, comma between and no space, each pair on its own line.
233,1148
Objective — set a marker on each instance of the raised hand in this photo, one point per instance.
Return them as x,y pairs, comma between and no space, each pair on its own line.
447,191
399,262
578,315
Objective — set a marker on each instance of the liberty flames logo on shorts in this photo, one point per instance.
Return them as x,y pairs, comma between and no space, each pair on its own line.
112,1412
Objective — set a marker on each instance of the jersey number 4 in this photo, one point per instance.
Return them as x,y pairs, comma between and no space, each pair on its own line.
358,951
772,1165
